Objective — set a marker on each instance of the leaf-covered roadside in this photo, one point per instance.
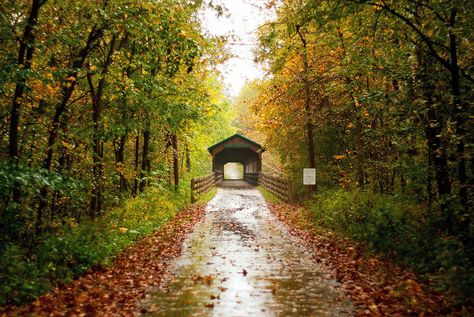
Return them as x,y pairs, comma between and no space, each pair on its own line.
117,290
377,286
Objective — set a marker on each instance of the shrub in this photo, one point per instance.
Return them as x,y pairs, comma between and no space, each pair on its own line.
401,229
73,248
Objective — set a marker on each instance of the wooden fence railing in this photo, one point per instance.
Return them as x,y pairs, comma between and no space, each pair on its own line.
251,178
203,184
277,185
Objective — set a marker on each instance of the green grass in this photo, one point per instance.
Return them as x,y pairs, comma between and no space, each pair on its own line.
206,197
74,248
269,196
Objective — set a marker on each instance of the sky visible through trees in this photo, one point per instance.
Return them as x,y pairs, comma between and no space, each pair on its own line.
239,21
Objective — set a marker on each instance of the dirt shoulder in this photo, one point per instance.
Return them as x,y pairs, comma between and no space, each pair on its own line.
377,286
118,290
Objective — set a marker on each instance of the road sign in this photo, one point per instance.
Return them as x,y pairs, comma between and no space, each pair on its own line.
309,176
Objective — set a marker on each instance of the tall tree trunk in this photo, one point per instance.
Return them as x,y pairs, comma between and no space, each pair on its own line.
25,56
429,188
119,145
120,159
68,87
62,162
137,162
145,155
174,141
307,106
24,61
98,145
433,128
358,124
359,152
459,114
188,158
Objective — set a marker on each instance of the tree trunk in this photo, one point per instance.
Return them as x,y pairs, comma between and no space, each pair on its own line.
62,162
188,158
69,84
174,141
137,161
98,145
122,140
25,56
358,124
24,61
120,159
433,128
307,106
145,154
459,114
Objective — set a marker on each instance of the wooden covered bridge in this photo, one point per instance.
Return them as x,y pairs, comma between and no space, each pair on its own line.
239,149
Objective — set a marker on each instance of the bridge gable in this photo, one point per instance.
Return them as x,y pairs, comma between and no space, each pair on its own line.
237,148
236,141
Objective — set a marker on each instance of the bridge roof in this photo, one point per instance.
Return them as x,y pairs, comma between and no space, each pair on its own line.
237,135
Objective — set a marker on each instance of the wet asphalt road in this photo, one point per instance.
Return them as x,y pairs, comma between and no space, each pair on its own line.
241,261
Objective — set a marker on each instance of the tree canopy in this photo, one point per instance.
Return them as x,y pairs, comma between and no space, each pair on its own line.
377,96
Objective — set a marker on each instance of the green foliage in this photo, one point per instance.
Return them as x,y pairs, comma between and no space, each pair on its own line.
29,181
401,229
66,253
204,198
105,89
384,90
33,179
376,219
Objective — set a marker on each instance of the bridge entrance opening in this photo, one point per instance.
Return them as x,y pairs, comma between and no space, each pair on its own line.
241,150
233,170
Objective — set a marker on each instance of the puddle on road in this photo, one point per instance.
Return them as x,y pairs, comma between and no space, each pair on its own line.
241,261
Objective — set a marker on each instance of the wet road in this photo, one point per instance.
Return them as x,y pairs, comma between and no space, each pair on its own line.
241,261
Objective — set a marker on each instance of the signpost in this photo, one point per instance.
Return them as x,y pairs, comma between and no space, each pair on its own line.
309,176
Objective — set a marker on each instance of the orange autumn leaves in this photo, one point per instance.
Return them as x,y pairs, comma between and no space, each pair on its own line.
119,289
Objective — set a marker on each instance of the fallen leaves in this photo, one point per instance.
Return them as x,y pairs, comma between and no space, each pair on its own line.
206,279
376,286
117,290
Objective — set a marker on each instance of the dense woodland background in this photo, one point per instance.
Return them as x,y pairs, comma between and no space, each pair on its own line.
100,101
108,107
378,97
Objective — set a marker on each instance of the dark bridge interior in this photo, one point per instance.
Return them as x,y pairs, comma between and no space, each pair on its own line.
238,149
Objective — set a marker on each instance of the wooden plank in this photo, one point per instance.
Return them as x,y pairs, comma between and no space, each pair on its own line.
202,184
278,186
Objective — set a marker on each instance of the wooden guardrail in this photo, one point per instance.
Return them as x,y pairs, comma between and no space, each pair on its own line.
203,184
277,185
251,178
219,176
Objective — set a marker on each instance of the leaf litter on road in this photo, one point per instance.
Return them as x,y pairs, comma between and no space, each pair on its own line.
119,289
377,286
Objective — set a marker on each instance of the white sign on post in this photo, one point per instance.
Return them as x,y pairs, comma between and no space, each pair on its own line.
309,176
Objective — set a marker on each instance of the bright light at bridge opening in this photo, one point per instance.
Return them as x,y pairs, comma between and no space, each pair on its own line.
233,171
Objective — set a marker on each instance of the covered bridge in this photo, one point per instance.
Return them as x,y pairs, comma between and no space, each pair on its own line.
241,150
238,149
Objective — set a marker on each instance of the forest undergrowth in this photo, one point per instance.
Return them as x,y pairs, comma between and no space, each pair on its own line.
401,230
76,247
384,271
